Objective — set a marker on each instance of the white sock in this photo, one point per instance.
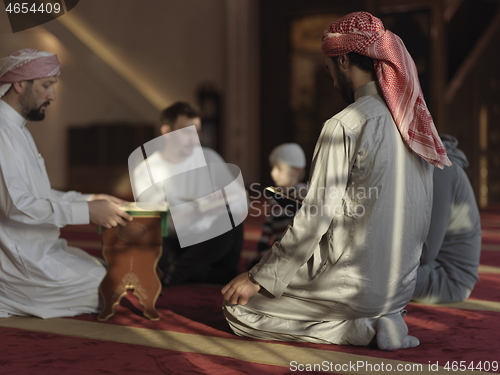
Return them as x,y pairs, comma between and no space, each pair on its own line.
392,333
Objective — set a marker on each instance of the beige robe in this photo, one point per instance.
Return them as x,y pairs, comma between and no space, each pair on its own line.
352,252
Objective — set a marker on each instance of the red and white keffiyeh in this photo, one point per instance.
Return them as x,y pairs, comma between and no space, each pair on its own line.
27,64
397,76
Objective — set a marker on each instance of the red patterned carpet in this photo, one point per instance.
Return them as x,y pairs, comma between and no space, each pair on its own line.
193,338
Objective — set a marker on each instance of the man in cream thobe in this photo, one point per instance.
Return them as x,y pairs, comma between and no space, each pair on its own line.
334,272
346,268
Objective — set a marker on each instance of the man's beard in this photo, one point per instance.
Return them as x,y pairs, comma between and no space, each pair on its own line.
29,109
36,114
344,85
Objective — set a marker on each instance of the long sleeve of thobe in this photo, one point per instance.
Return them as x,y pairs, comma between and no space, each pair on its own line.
70,195
331,165
25,204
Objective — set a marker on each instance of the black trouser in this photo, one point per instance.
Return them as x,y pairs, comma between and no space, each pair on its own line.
214,261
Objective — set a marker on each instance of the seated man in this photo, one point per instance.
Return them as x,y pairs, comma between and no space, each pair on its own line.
450,256
346,268
39,274
210,261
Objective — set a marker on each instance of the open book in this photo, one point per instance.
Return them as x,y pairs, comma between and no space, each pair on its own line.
289,202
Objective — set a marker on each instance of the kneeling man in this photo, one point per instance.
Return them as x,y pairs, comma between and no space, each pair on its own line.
40,274
346,268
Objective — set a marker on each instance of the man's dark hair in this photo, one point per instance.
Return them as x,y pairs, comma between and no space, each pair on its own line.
362,62
170,114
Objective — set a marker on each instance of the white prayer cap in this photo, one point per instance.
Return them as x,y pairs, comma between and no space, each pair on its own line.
288,153
27,64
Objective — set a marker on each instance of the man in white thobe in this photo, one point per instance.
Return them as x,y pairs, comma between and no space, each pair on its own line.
39,274
346,268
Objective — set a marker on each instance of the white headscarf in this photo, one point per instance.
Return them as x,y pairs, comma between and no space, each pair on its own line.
27,64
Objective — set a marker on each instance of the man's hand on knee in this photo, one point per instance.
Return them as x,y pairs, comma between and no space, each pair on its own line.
107,214
239,290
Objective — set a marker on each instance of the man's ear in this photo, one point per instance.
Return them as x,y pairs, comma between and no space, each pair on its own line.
164,129
343,61
20,86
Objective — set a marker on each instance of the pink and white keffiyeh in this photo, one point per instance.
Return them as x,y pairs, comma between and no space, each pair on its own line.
397,76
27,64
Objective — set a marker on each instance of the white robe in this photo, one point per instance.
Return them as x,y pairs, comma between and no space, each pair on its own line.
352,252
39,274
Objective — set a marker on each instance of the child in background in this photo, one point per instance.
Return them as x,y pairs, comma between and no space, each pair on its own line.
287,163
